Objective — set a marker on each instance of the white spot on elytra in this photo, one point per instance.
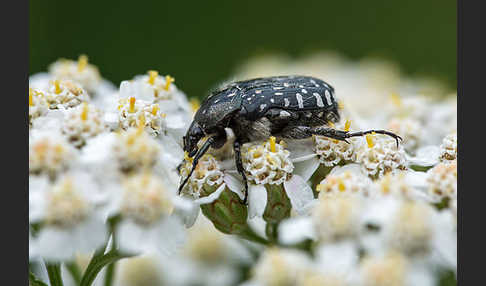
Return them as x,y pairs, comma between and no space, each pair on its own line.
272,100
312,81
258,91
286,84
304,91
284,113
278,93
231,94
318,99
287,102
299,100
277,87
328,97
262,107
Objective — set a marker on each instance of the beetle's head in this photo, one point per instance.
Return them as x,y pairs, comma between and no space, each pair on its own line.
192,137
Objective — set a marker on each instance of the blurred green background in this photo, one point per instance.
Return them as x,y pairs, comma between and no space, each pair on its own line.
201,43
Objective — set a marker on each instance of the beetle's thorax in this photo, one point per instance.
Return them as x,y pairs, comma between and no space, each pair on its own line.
216,110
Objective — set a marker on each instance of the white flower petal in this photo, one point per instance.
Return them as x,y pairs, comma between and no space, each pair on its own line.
306,168
235,185
295,230
257,200
299,193
426,156
187,210
212,197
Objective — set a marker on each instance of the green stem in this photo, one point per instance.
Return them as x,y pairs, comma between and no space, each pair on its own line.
250,235
75,272
110,269
98,262
34,281
54,273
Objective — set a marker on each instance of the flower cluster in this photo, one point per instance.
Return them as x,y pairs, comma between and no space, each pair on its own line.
105,164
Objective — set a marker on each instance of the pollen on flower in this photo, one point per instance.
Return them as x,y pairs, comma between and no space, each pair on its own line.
139,113
83,122
145,199
152,76
380,156
442,181
136,150
195,104
207,173
448,148
395,99
267,162
332,152
66,207
336,215
347,125
79,71
82,62
64,94
168,81
49,154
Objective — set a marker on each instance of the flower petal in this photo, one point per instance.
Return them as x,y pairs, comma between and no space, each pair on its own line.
235,185
257,200
299,193
295,230
306,168
212,197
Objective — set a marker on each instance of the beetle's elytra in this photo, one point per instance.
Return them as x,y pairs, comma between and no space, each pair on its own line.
295,107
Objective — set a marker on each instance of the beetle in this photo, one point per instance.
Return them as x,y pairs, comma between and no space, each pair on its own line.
294,107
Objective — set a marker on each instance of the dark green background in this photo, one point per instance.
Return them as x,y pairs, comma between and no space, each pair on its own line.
201,42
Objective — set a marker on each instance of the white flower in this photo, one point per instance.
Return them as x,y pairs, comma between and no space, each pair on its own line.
150,87
135,150
80,71
83,122
385,270
348,178
442,181
37,104
410,185
380,155
70,216
64,94
448,148
49,153
336,216
207,172
332,151
139,113
146,205
279,267
410,129
268,163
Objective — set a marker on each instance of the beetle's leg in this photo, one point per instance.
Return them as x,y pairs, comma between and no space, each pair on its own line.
301,132
239,167
362,133
198,155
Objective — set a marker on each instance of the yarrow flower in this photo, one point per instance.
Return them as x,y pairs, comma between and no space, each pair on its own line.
151,87
442,181
135,113
380,155
207,174
347,179
448,148
148,225
83,122
80,71
49,153
388,269
64,94
332,151
38,105
136,150
410,129
70,218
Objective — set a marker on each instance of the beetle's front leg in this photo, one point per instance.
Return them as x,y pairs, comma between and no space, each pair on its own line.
239,167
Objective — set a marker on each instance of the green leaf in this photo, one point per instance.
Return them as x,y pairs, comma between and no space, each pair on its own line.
73,269
98,262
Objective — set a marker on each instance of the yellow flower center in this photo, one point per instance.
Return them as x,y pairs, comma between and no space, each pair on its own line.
347,125
31,97
57,87
84,113
370,141
132,104
272,144
82,62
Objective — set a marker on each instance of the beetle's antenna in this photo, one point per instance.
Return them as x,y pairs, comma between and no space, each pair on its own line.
199,154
